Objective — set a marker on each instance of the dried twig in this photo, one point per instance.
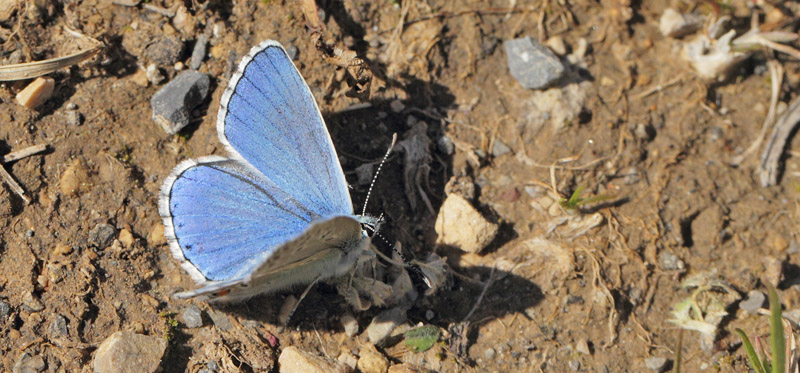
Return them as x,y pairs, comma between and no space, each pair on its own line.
13,184
480,297
13,156
776,77
768,168
19,154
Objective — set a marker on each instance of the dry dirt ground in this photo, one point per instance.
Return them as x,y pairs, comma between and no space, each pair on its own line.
591,289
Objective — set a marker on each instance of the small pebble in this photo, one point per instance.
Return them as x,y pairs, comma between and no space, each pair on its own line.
574,365
58,327
74,118
573,299
429,315
445,145
153,74
489,353
129,352
199,52
164,50
397,106
460,225
71,106
5,309
32,302
669,261
192,317
102,235
220,320
28,363
173,103
500,148
350,324
383,324
656,363
37,92
291,51
533,65
755,300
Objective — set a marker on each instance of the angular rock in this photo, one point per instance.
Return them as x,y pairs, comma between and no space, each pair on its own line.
383,324
532,64
58,327
5,309
164,50
221,320
192,317
32,302
172,104
459,224
101,235
29,364
37,92
372,361
125,352
294,360
656,364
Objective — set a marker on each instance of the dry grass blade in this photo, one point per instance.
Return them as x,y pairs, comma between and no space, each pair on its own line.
30,70
768,167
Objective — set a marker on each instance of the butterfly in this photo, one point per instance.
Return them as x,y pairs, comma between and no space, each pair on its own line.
276,211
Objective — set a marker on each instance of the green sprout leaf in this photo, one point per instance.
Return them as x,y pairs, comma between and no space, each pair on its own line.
421,338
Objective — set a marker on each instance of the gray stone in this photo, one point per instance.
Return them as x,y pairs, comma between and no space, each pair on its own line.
221,320
173,103
669,261
445,145
199,52
350,324
291,51
125,352
74,118
102,235
164,50
755,300
574,365
192,317
532,64
383,324
58,327
29,364
656,363
32,302
500,148
489,353
5,309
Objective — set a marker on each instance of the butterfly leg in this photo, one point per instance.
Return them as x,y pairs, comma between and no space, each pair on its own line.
297,303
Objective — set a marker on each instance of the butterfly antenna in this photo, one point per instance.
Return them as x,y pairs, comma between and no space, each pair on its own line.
407,263
374,178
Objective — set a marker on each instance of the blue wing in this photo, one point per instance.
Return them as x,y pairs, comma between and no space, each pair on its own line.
269,118
222,219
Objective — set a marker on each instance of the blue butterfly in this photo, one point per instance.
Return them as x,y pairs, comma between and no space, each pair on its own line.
276,211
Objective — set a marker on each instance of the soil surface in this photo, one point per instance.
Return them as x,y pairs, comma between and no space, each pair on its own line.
592,288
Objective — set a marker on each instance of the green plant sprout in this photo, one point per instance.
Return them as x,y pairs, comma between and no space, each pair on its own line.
777,341
170,324
574,201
